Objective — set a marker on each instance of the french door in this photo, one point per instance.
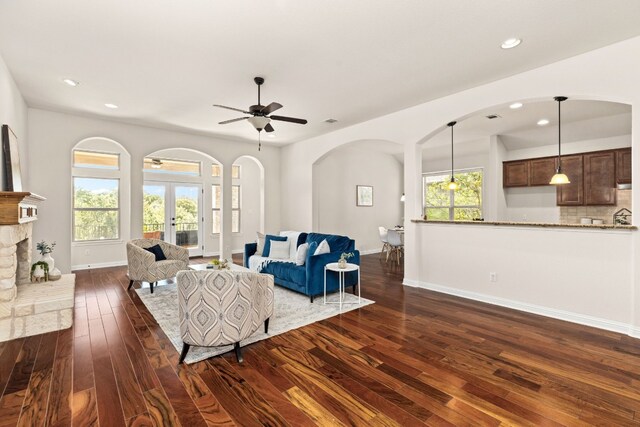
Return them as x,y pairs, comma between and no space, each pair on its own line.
173,212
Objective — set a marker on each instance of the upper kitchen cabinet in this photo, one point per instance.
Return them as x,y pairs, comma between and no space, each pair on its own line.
571,194
623,166
600,178
541,170
515,174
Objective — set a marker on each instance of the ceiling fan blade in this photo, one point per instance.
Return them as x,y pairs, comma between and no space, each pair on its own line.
271,108
268,128
289,119
233,120
231,108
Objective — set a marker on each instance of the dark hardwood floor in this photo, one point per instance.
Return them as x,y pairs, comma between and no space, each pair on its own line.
413,358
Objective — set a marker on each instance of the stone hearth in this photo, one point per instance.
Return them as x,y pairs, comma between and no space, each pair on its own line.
38,308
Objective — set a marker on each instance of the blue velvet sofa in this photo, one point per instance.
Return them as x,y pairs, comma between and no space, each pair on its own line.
308,279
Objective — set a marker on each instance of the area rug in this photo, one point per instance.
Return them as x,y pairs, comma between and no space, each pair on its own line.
291,311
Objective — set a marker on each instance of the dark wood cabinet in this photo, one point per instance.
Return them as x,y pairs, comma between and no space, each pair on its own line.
515,174
623,166
571,194
541,170
600,178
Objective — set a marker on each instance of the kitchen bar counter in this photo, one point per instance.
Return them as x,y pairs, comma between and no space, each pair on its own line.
531,224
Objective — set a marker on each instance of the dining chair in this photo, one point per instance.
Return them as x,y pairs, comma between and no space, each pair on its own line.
396,246
383,238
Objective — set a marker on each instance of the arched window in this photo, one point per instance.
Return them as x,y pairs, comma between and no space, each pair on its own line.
100,168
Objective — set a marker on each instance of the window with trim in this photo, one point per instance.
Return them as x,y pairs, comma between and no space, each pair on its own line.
216,171
235,208
96,209
465,203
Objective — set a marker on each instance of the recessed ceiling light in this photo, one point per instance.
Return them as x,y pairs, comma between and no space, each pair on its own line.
510,43
543,122
71,82
515,105
330,120
112,106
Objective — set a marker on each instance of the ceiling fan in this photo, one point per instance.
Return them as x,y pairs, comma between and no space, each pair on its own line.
260,115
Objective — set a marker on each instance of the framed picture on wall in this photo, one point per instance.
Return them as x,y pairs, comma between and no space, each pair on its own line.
364,195
13,178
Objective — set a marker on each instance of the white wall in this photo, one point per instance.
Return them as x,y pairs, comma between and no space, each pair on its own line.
13,112
335,178
608,74
51,138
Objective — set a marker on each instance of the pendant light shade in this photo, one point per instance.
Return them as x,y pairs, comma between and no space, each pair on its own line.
453,185
559,178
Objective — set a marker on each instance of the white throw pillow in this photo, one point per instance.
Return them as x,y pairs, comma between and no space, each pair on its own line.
292,236
279,250
323,248
301,254
259,243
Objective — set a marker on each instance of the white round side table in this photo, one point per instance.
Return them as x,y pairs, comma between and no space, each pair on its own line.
334,266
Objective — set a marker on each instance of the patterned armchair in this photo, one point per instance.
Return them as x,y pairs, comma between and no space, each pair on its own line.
222,307
143,266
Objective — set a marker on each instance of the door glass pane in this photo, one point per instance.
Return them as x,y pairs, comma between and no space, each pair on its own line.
153,211
186,222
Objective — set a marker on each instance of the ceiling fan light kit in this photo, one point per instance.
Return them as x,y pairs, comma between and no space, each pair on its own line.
260,115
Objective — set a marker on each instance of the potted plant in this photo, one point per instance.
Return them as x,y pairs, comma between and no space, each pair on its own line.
45,250
342,262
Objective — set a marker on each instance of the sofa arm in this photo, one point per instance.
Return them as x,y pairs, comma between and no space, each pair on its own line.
249,250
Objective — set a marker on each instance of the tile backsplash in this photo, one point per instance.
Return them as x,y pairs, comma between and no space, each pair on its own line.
573,214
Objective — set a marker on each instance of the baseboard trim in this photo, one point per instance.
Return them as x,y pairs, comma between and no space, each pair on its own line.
582,319
371,251
98,265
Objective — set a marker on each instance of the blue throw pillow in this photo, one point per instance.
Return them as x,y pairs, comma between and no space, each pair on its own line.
157,251
267,243
312,250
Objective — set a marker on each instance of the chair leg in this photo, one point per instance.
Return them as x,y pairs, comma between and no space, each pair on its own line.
130,284
151,285
266,326
236,348
183,354
311,299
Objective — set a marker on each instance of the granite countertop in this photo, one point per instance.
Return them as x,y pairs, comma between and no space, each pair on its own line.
532,224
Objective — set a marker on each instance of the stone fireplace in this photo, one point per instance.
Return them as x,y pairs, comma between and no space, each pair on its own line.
27,308
15,258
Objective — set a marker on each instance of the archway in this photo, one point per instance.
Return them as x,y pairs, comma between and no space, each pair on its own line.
370,166
248,201
179,199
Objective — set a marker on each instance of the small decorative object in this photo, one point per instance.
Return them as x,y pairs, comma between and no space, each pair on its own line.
342,262
55,274
45,250
364,195
40,271
219,264
622,217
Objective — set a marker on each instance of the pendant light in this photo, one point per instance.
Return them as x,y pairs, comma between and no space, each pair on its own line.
452,184
559,178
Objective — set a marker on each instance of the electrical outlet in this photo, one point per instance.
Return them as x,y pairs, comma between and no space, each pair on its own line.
493,277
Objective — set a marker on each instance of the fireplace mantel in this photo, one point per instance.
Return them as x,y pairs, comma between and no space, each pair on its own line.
18,207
